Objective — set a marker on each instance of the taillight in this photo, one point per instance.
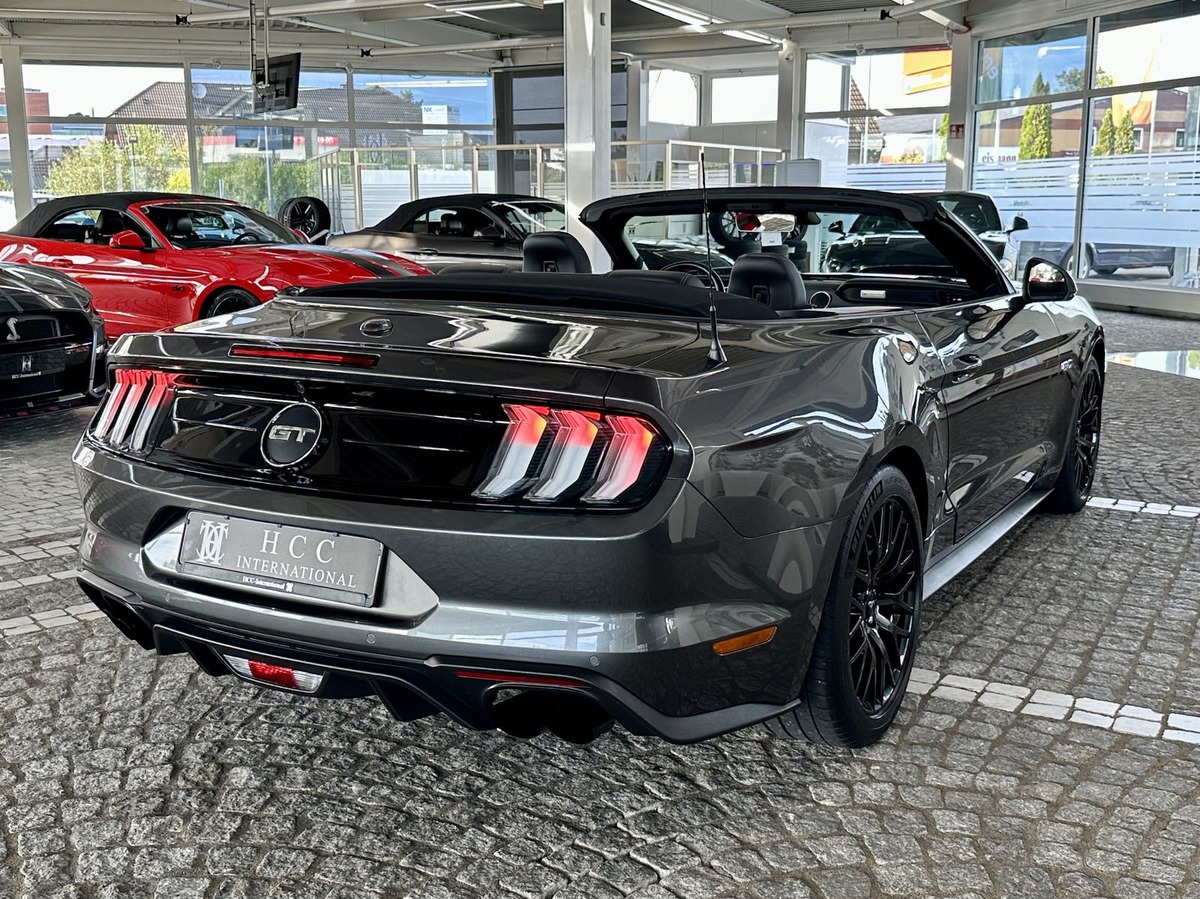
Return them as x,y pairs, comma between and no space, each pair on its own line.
132,406
571,456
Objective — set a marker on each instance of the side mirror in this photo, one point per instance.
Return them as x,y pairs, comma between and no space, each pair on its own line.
1019,224
1046,282
837,227
488,232
128,240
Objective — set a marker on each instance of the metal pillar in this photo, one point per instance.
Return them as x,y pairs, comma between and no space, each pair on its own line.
18,132
962,86
587,84
787,123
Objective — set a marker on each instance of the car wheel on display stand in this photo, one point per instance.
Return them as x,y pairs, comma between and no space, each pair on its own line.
308,215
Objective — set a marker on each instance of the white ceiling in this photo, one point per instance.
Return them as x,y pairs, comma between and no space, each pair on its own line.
456,35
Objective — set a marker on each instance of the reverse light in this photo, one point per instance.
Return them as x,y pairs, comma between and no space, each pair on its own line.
276,675
358,360
571,455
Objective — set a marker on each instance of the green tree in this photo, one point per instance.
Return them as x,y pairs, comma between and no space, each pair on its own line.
1072,79
1037,136
244,179
1125,141
943,135
1106,137
141,158
912,153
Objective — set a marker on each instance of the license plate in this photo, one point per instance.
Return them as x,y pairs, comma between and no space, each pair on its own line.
298,563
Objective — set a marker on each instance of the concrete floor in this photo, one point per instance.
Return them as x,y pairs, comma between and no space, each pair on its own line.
1049,747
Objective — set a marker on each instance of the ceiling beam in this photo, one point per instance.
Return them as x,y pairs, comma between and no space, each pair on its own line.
932,10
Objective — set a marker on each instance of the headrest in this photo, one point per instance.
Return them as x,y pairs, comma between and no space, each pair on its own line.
452,226
554,251
683,279
770,279
182,225
108,222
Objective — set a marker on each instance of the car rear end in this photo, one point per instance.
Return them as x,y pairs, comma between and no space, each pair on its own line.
506,535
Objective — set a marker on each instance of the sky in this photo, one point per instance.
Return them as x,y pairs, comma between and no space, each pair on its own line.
98,90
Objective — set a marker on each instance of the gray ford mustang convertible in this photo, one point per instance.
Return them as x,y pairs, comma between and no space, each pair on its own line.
556,499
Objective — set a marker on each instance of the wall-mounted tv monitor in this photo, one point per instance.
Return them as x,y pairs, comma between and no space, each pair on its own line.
282,83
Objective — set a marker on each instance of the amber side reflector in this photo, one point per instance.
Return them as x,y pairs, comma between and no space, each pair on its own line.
744,641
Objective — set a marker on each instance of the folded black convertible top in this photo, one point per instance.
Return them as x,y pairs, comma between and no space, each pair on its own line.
590,292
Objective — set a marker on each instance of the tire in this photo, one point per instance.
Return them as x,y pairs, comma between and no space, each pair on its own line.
232,299
1074,483
841,704
1069,263
1106,270
308,215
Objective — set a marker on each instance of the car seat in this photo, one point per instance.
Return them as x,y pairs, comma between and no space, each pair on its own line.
554,251
770,279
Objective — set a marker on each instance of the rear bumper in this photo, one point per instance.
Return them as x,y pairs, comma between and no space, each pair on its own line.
410,687
627,606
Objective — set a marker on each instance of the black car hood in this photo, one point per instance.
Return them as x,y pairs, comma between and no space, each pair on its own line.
28,288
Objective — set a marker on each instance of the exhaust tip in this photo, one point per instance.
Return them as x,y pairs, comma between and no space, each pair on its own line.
572,718
126,620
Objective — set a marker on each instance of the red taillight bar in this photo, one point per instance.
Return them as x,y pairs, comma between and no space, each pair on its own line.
125,420
568,439
624,459
526,424
568,454
358,360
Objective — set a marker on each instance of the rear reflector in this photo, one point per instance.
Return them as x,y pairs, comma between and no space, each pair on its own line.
276,675
500,677
744,641
358,360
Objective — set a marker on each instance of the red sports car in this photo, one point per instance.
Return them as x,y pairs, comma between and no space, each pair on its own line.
153,260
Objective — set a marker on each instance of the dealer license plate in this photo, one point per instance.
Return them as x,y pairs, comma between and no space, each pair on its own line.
298,563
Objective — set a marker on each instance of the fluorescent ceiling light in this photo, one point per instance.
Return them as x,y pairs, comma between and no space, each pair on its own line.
678,13
756,37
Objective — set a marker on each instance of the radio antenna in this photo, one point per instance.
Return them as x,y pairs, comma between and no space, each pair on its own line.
716,353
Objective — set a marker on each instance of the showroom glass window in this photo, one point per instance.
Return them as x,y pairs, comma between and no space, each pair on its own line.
1106,143
264,159
878,120
95,128
1141,198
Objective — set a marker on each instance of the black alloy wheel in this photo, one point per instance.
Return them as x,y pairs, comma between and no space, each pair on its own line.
867,639
308,215
883,606
1087,434
226,301
1082,450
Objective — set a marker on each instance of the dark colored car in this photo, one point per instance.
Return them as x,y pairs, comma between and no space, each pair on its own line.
553,500
491,228
875,243
152,260
52,343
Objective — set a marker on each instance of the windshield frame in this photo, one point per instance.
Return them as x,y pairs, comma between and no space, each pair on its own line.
500,209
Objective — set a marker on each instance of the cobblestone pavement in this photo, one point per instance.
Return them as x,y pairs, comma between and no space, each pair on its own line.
1048,747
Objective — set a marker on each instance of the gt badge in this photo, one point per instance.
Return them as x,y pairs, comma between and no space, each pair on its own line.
292,436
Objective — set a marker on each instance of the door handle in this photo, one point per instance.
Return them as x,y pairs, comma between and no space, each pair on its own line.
968,361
